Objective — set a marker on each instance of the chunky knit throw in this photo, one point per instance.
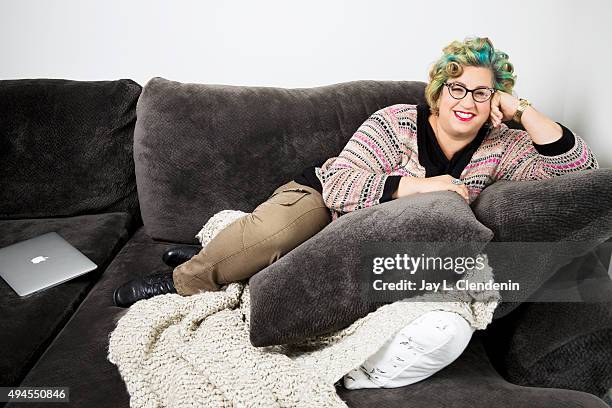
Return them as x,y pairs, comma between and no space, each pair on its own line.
194,351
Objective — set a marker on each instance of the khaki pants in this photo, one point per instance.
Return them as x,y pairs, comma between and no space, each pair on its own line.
291,215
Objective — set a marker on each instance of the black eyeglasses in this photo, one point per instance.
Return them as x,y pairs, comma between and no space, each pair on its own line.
459,91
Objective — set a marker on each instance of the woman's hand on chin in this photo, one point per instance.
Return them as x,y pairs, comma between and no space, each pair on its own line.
503,107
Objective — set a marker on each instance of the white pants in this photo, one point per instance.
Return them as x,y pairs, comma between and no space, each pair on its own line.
424,347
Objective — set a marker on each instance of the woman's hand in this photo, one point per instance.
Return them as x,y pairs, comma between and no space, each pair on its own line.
412,185
540,128
503,107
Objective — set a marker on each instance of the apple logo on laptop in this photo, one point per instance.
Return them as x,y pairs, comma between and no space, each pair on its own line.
39,259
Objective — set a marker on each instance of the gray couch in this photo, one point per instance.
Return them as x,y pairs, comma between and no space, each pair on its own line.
78,159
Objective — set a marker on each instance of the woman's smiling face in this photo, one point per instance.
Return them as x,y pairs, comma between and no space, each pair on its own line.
463,118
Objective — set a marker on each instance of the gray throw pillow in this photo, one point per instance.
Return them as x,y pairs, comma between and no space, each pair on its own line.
315,288
573,212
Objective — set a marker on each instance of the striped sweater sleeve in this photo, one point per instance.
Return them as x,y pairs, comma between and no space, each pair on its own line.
359,176
524,160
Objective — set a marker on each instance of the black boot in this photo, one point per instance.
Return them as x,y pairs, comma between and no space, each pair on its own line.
146,287
178,255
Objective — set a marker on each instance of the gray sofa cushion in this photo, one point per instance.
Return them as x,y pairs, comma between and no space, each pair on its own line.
319,281
561,344
66,148
29,324
95,382
555,345
200,149
574,211
77,357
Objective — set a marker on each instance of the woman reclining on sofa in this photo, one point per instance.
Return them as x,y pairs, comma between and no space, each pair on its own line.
455,142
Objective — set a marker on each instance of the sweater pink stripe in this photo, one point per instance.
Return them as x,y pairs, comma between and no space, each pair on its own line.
376,151
585,155
482,163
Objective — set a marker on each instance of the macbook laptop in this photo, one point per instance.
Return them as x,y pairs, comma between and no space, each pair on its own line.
41,262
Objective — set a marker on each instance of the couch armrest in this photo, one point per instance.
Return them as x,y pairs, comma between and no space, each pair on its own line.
560,345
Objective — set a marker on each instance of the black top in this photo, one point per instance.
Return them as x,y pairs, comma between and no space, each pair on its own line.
433,159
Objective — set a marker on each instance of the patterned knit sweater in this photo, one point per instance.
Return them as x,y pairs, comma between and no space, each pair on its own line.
385,145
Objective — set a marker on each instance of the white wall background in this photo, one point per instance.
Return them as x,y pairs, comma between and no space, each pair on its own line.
560,49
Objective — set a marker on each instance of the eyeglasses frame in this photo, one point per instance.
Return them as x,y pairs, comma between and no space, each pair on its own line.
449,84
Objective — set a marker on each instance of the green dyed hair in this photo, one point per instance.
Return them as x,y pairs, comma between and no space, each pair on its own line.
475,52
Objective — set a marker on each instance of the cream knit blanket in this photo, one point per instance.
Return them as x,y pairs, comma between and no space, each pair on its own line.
194,351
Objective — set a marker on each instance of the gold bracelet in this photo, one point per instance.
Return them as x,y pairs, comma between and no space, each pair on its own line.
523,104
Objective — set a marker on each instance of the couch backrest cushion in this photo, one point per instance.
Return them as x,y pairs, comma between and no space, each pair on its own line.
200,149
66,147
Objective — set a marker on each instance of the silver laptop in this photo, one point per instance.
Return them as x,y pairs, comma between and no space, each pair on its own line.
41,262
